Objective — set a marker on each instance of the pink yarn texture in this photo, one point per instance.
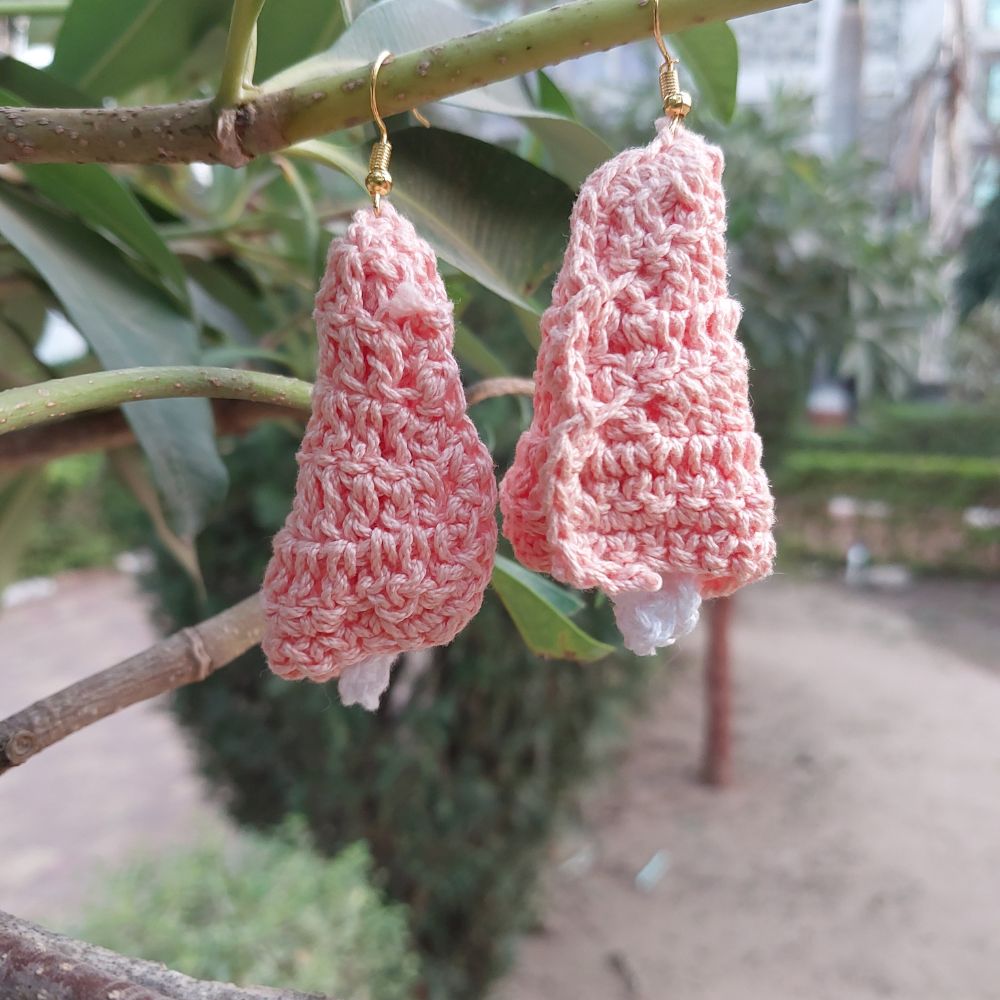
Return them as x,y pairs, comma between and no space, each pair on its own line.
641,468
390,541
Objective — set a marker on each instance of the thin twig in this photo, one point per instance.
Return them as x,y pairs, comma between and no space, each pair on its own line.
240,54
37,963
490,388
186,657
273,119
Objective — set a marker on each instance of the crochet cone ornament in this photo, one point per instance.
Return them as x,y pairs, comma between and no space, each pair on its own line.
390,541
640,474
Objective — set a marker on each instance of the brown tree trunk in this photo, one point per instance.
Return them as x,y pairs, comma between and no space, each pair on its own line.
717,756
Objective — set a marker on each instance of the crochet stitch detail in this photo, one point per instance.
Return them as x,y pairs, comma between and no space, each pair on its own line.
390,541
641,463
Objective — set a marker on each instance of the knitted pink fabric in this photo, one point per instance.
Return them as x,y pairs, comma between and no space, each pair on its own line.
390,541
641,469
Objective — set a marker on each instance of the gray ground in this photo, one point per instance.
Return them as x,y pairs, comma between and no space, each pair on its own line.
856,857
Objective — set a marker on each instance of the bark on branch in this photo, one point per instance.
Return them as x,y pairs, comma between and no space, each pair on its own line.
28,405
37,963
184,658
108,429
197,131
47,403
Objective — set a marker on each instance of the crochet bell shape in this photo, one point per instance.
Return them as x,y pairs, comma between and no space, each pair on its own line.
641,473
390,541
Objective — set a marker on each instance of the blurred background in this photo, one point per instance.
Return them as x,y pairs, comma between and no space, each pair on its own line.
508,825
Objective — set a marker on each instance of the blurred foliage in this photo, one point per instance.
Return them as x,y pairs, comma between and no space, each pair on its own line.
456,783
944,428
975,345
84,517
262,911
975,354
979,280
902,479
828,284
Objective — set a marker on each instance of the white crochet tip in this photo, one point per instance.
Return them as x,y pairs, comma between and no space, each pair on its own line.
648,620
364,683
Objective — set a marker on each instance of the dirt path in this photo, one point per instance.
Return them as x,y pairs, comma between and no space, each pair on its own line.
124,784
858,855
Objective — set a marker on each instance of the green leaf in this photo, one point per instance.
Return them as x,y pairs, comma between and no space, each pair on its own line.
22,322
33,8
108,47
128,322
539,608
290,30
38,87
102,200
489,213
225,302
552,98
19,503
710,54
474,354
87,190
404,25
128,464
566,602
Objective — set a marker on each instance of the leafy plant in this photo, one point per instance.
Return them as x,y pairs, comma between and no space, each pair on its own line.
260,911
829,285
455,784
908,480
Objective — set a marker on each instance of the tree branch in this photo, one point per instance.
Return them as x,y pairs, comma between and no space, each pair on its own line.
490,388
198,131
186,657
35,404
37,963
26,406
108,429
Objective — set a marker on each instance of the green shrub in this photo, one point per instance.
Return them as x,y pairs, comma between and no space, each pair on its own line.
456,792
906,480
86,518
260,911
937,428
919,428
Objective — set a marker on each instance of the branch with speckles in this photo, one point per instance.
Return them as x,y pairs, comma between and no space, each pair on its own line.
51,402
202,131
46,402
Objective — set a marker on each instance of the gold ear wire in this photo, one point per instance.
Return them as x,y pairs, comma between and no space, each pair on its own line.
676,102
379,181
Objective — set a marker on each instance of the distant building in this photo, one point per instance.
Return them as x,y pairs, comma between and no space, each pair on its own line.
927,96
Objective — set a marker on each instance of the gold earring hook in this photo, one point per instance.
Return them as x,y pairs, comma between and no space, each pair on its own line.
658,35
676,102
379,180
372,83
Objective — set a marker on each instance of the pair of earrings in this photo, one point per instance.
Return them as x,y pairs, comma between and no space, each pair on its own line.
640,474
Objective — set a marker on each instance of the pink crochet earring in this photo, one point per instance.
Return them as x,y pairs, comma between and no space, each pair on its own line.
390,541
640,474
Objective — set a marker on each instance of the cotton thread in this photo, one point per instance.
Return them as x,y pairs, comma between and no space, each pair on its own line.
641,470
390,541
